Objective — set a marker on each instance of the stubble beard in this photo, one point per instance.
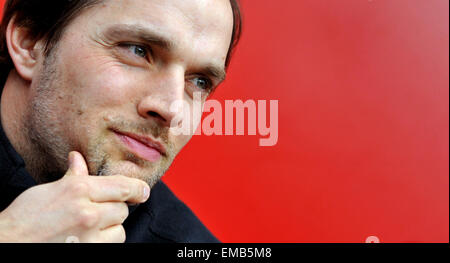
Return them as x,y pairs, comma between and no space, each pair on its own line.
104,164
46,151
47,147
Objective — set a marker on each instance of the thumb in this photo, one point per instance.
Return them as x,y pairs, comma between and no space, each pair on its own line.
77,164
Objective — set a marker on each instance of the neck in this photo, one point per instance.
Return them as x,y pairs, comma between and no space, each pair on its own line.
14,110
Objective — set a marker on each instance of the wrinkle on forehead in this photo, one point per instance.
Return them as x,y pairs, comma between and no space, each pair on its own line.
193,24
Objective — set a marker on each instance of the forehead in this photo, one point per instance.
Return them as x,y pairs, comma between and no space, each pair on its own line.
195,26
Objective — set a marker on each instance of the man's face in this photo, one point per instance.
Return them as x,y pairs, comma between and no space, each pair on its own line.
109,84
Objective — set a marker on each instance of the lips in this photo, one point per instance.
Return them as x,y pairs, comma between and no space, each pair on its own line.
144,147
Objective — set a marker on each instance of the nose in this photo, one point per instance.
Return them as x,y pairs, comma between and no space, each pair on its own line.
165,89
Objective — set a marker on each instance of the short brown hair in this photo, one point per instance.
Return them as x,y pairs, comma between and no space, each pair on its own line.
47,19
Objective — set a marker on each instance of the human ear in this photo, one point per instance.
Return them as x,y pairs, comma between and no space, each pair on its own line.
22,49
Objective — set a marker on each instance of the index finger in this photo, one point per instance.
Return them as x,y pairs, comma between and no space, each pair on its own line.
118,188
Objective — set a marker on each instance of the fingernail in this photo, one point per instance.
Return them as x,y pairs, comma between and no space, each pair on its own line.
146,193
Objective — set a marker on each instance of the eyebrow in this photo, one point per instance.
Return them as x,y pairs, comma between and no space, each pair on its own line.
148,36
217,72
141,33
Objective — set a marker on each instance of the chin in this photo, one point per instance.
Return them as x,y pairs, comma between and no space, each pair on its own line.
151,175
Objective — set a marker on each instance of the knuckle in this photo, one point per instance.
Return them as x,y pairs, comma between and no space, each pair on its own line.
88,218
125,192
78,187
122,185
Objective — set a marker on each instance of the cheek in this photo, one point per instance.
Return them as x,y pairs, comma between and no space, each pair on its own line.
106,86
112,87
98,80
88,88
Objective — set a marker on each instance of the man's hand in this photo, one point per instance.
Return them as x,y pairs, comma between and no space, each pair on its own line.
78,207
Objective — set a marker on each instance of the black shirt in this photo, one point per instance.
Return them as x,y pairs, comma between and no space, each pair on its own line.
162,219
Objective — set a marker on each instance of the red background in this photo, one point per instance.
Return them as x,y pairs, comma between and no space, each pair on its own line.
363,90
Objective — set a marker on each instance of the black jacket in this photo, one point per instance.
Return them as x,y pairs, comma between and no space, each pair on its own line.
162,219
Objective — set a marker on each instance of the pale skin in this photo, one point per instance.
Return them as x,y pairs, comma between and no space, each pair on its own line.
119,65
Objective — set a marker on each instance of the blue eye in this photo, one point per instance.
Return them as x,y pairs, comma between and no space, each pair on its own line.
202,83
139,50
